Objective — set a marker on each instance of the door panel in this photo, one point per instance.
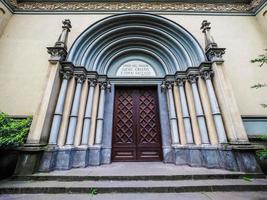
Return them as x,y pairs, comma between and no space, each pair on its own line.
136,131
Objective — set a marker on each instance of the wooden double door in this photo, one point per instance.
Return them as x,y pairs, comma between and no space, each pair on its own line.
136,128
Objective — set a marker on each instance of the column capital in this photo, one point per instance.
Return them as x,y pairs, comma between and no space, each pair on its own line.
67,75
104,85
207,74
92,82
215,54
166,85
80,78
56,54
181,81
192,79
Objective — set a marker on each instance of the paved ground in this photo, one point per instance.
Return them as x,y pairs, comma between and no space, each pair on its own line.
140,168
131,184
144,196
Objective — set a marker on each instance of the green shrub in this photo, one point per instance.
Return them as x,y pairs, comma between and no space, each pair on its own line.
262,154
13,132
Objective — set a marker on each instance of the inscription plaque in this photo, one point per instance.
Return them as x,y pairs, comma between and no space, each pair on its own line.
136,68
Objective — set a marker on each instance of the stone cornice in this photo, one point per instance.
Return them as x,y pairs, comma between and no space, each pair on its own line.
135,6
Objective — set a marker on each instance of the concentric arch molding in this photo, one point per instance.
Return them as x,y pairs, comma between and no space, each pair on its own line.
100,5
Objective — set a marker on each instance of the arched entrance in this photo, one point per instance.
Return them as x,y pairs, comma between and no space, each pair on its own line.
134,49
134,88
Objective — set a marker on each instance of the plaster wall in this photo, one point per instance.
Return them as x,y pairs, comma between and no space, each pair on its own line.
24,65
5,16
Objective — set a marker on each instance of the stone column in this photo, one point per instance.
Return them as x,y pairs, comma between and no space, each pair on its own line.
66,113
172,115
59,110
215,108
74,111
100,115
94,114
186,116
199,110
207,110
78,133
40,128
178,107
233,123
192,111
88,113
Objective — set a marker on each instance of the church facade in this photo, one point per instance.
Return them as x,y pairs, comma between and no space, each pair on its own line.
134,82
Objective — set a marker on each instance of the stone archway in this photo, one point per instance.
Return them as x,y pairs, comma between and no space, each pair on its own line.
192,128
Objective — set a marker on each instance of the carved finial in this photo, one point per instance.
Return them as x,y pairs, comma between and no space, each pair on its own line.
59,51
63,38
66,24
205,25
209,41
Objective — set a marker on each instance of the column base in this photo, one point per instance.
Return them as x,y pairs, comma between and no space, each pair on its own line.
64,158
79,156
106,155
181,156
48,160
224,157
168,154
195,157
211,158
94,155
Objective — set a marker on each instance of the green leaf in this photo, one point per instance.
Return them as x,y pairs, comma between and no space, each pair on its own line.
259,85
246,178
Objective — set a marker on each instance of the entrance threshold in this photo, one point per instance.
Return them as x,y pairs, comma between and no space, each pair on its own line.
139,169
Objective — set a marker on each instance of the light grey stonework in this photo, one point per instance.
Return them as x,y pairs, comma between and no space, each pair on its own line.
181,156
48,160
228,160
211,158
165,126
94,156
79,157
195,157
64,159
106,155
107,127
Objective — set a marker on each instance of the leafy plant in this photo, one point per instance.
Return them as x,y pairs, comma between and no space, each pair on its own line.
13,132
262,154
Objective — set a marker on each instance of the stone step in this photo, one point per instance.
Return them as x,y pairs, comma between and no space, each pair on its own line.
141,186
47,177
